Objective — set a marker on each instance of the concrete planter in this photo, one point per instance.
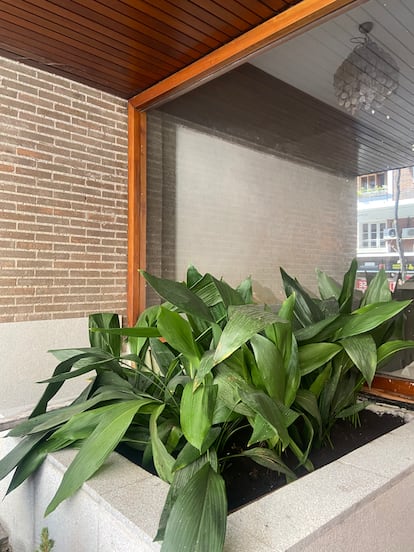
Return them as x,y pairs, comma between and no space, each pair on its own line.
362,502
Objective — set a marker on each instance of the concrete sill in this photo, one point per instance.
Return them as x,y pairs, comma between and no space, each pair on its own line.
362,502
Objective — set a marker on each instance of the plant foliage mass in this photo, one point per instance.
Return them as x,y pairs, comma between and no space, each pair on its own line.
197,371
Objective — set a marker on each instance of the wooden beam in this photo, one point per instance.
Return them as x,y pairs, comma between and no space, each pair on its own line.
239,50
137,211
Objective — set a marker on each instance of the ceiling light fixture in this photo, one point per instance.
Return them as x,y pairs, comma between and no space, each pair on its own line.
367,76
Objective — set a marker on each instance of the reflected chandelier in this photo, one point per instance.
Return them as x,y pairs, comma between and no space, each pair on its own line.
367,76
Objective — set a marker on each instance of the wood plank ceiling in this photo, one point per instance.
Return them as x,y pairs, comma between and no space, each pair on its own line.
124,47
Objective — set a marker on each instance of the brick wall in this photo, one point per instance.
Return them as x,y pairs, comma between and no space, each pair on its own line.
63,197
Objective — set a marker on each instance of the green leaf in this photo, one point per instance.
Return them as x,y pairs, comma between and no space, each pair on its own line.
163,461
96,448
180,480
262,431
308,403
205,367
245,290
244,322
371,316
196,412
387,350
347,293
180,296
320,331
197,521
275,414
269,459
178,334
189,454
315,355
293,374
352,410
321,379
327,286
109,343
270,365
378,290
12,459
193,276
306,309
362,350
63,367
50,420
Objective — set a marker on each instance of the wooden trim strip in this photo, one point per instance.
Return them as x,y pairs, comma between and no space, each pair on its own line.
137,212
238,51
393,384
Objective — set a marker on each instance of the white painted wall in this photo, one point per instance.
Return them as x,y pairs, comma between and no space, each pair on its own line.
25,360
241,212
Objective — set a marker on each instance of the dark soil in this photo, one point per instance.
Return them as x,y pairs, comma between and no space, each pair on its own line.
246,480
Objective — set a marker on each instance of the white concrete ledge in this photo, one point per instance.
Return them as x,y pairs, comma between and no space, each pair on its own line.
363,502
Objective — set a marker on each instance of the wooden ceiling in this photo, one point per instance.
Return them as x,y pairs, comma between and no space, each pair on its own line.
124,47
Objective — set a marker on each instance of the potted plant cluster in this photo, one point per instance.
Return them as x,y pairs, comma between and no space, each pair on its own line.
203,368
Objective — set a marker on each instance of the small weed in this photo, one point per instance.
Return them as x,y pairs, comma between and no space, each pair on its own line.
46,544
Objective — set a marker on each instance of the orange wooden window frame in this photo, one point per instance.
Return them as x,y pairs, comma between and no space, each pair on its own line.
292,21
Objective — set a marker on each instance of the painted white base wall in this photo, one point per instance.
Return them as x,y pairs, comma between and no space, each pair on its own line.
363,502
25,360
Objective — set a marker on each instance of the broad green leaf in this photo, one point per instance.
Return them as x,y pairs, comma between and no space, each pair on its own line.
269,459
320,331
362,350
270,366
378,290
347,293
178,334
321,379
229,385
190,454
275,414
244,322
328,394
315,355
193,276
162,354
228,295
163,461
181,478
180,296
306,309
327,286
52,419
88,367
293,375
352,410
371,316
308,403
64,367
147,319
262,431
205,367
197,521
387,350
245,290
107,342
96,448
196,412
12,459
